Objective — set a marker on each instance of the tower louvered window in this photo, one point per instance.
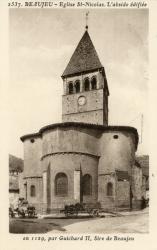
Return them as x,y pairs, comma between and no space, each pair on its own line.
77,86
86,84
71,88
93,83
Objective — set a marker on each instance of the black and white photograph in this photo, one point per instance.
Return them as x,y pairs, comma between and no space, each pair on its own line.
78,105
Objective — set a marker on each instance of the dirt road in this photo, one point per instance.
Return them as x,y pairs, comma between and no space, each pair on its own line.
129,223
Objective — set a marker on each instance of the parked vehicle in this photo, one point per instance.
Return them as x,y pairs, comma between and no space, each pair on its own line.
74,209
23,210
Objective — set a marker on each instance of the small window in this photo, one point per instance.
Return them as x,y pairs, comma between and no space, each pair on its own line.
77,86
93,83
86,84
70,88
115,136
109,189
87,184
32,191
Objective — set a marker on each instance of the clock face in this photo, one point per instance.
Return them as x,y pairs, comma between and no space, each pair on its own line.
81,100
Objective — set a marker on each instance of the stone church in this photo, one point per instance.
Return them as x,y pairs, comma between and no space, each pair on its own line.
83,159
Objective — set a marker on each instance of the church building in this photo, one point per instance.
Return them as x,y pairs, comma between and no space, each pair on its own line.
83,159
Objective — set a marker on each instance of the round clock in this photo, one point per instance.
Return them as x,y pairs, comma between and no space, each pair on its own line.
81,100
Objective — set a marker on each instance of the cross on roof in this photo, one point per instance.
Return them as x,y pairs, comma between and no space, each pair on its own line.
87,13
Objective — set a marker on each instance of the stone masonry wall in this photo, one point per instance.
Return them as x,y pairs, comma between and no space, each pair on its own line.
37,200
32,157
71,139
67,163
70,149
117,152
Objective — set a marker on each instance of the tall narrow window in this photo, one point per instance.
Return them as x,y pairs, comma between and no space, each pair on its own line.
109,189
61,184
86,84
77,86
70,88
32,191
87,184
93,83
25,188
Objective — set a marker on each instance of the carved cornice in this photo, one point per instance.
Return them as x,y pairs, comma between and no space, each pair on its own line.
32,177
109,173
70,152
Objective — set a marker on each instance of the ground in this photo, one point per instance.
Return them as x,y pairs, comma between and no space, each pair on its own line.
131,222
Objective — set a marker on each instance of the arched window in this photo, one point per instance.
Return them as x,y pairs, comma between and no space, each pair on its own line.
32,191
70,88
87,184
93,83
61,184
77,86
86,84
109,189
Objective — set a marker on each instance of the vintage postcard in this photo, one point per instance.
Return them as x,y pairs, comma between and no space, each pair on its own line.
78,93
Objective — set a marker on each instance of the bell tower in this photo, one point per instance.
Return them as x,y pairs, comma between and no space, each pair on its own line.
85,97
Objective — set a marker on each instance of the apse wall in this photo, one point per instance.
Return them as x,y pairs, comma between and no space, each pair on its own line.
66,150
117,150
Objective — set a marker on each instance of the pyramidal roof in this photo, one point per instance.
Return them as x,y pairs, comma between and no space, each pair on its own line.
84,58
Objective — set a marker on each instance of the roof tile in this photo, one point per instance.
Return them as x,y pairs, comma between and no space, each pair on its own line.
84,58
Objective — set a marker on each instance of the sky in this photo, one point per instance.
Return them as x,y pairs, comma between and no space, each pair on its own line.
41,44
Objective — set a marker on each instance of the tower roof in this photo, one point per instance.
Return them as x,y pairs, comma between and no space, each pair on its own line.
84,58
